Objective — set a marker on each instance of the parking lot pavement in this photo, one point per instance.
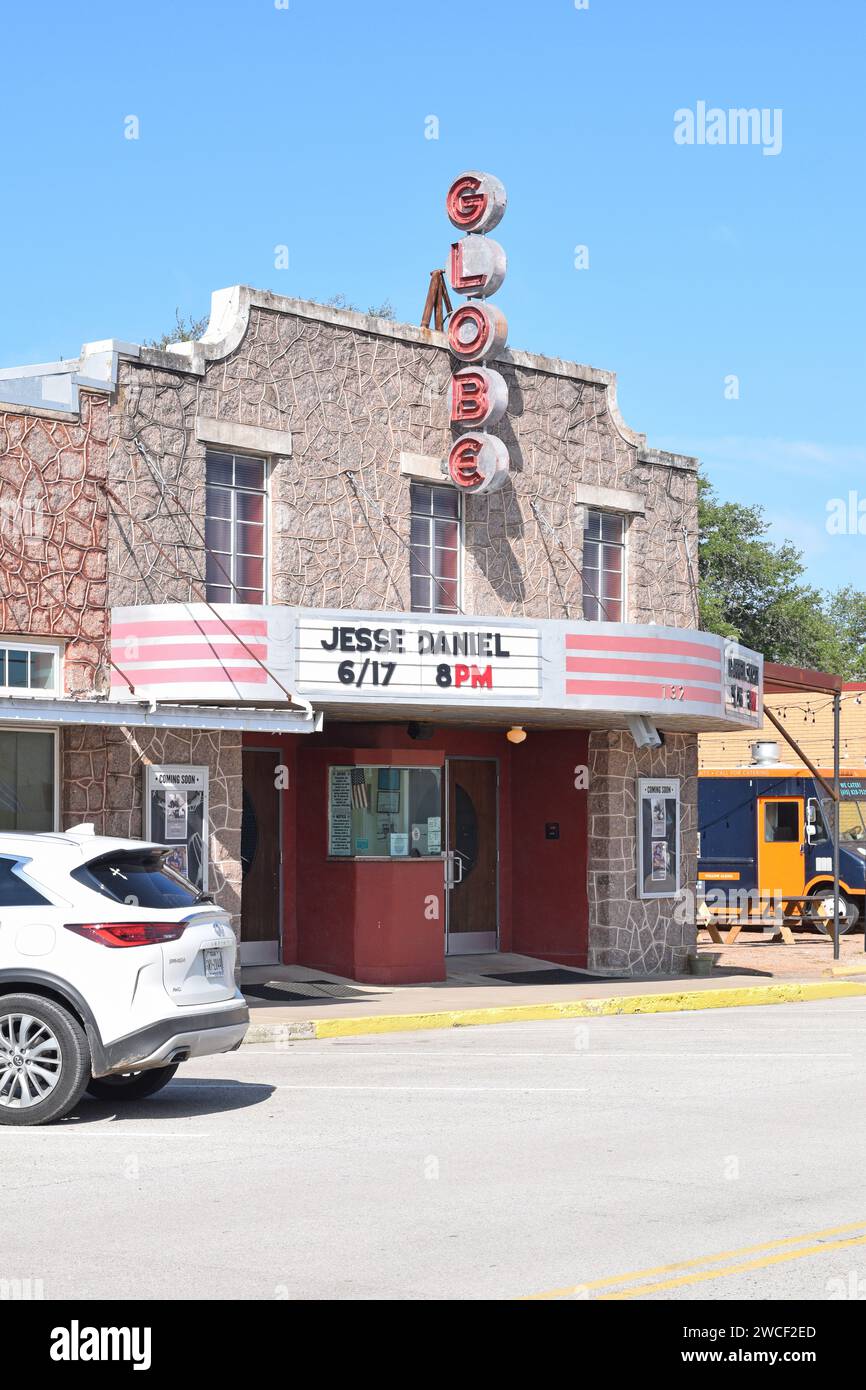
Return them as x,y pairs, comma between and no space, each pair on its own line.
555,1158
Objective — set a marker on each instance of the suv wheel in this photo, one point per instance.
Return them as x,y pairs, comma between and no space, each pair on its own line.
131,1085
44,1060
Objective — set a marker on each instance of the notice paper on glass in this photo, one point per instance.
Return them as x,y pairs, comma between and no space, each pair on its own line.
340,812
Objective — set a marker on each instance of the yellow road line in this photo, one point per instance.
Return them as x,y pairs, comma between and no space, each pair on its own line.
642,1289
692,1264
791,992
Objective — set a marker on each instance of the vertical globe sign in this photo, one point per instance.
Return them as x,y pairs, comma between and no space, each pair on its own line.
478,461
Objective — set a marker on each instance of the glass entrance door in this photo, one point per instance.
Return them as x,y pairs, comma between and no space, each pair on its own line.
472,859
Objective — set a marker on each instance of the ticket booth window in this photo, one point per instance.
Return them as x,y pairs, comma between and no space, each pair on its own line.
384,812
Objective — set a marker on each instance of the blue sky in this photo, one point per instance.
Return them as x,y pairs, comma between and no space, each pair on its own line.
305,127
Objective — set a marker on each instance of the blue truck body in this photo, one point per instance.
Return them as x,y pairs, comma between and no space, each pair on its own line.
730,823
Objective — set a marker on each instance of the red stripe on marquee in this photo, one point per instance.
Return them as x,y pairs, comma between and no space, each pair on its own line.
661,646
641,690
188,627
206,651
672,670
195,675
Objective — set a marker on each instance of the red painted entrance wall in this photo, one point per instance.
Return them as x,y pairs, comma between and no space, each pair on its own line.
367,920
549,890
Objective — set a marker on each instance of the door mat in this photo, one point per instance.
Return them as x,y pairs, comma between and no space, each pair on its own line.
295,991
553,977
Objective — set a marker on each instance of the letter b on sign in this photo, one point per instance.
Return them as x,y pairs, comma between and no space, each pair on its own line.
478,397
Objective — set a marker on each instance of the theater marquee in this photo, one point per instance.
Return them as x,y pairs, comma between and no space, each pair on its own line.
391,664
415,659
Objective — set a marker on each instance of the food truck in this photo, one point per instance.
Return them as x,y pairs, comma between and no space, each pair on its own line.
765,840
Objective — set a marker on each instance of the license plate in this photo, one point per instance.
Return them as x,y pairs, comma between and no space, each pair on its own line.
213,963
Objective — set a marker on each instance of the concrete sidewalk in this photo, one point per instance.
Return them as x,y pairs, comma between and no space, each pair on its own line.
304,1003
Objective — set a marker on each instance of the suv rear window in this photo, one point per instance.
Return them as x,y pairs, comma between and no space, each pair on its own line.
141,879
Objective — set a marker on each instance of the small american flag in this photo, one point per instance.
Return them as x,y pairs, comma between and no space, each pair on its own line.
359,789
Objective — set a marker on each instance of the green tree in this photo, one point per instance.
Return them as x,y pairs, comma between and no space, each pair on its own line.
185,330
753,590
846,610
385,310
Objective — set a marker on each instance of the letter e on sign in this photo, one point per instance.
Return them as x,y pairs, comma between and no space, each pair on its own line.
478,463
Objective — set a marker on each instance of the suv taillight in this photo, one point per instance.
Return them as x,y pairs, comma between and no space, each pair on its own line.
128,933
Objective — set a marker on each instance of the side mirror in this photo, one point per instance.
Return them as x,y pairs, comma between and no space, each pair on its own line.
813,825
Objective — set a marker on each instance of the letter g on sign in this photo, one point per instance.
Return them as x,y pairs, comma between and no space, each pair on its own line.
475,202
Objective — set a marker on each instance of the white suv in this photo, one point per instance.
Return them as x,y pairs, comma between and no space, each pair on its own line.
113,970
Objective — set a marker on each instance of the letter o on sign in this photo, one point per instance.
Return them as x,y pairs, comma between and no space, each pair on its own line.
476,332
475,202
478,463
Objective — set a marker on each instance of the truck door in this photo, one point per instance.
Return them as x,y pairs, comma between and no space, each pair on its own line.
781,858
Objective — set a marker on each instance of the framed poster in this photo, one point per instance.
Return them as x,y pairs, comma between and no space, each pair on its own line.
175,814
658,837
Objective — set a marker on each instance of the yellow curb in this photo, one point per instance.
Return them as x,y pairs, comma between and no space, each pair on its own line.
794,993
855,968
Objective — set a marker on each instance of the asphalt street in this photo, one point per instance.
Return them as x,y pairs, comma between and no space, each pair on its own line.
713,1155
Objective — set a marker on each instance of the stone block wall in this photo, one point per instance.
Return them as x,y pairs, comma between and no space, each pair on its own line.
53,533
627,933
103,781
354,401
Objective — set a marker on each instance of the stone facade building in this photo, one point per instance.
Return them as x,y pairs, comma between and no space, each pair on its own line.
427,719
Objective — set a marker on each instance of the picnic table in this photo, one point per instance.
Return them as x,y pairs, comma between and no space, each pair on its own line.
790,907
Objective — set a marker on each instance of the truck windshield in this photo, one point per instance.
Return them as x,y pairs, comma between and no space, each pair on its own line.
852,823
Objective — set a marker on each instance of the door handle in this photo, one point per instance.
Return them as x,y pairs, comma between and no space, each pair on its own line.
452,862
